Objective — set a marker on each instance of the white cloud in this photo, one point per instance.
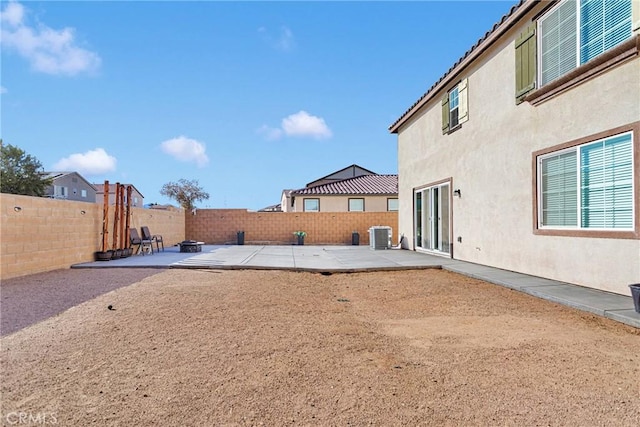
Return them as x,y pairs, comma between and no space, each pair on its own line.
304,124
271,134
300,124
186,150
93,162
283,41
3,89
47,50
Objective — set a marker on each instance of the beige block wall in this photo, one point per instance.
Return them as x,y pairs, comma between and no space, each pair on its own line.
341,203
219,226
490,160
41,234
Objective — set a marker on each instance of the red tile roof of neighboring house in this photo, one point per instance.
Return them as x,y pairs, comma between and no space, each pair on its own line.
366,184
508,20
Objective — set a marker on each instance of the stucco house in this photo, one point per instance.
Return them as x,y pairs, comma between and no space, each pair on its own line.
351,189
137,199
525,155
70,186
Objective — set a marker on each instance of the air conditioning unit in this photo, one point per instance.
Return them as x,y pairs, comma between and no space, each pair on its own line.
380,237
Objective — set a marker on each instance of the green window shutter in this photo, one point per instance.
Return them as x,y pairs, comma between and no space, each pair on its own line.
526,61
445,114
463,105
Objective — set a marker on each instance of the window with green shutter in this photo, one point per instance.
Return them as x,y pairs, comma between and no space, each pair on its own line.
455,107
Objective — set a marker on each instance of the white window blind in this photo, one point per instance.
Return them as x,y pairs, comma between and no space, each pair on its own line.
604,24
559,179
558,42
589,186
606,183
575,32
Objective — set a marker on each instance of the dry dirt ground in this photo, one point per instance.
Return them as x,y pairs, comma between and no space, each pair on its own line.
206,347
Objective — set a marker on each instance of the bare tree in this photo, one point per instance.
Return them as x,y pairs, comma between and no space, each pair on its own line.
186,192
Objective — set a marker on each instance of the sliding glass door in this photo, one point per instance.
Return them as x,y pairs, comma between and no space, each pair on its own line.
431,218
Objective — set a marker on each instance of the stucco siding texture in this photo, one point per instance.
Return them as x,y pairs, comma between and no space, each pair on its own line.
490,160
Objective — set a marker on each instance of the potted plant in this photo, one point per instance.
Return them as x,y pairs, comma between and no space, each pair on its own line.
300,235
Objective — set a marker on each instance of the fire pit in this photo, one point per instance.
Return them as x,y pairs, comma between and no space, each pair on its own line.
190,246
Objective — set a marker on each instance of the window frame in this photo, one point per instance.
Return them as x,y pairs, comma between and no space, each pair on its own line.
461,110
577,231
389,199
304,204
355,199
578,42
454,112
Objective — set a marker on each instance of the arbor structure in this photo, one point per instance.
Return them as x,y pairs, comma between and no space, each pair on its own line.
21,173
186,192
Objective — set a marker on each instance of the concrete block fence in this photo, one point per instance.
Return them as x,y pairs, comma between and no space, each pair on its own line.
220,226
40,234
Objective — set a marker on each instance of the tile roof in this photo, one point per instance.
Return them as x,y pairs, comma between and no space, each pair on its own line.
506,22
366,184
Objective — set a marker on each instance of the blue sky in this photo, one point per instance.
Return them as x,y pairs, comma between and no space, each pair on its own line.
248,98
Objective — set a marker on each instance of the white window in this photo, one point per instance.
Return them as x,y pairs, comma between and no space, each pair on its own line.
392,205
589,186
83,193
574,32
60,191
312,205
454,107
356,205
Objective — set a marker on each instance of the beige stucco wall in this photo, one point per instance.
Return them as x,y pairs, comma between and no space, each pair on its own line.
490,160
341,203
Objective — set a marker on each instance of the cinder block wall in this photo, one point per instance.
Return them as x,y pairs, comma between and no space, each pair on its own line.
41,234
219,226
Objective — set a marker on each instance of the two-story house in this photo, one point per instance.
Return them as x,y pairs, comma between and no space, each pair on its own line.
525,155
70,186
351,189
137,199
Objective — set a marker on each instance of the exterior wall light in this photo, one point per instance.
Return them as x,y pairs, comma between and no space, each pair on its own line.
17,208
457,193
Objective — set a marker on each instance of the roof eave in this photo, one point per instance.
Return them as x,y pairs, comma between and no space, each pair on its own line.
517,12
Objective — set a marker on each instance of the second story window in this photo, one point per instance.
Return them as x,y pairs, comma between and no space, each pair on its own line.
569,35
312,205
356,205
454,107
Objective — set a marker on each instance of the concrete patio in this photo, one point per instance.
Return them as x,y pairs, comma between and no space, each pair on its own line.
348,259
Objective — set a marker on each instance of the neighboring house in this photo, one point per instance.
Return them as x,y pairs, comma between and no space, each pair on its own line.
137,199
167,207
70,186
366,193
353,171
525,155
272,208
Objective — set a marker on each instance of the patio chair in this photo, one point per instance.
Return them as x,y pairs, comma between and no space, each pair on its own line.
146,235
144,245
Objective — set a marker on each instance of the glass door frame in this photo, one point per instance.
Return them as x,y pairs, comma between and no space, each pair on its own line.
433,232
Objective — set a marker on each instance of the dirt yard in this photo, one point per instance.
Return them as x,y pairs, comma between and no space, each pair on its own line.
196,347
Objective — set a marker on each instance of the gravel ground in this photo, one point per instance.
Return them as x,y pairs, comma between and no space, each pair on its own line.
30,299
429,347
